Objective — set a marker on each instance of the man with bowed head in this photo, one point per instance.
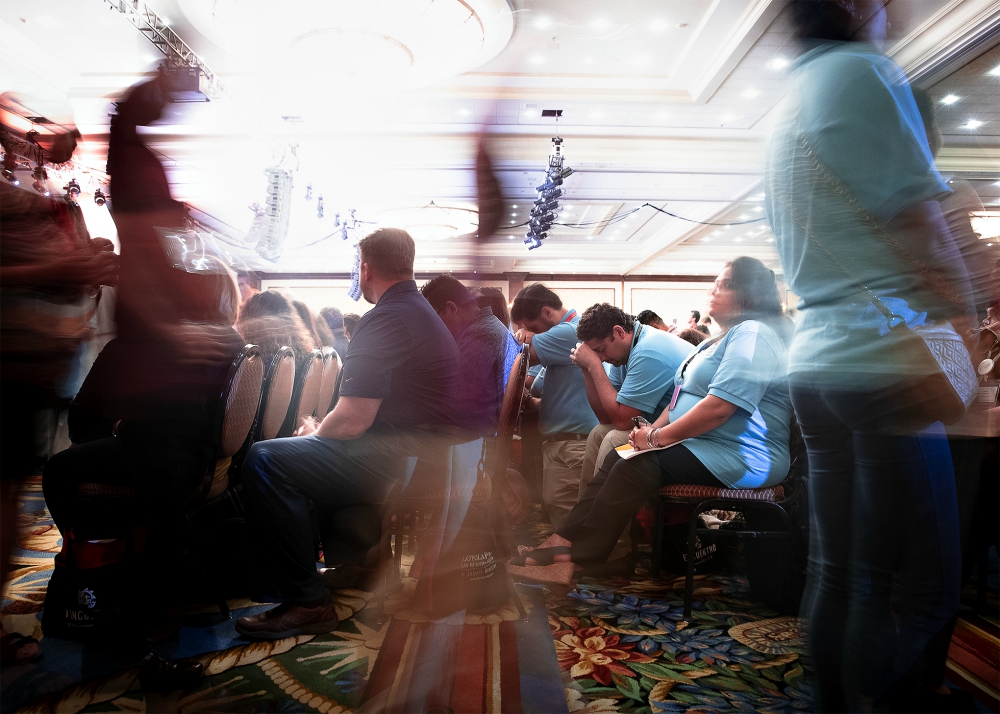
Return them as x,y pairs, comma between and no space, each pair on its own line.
565,417
486,346
396,389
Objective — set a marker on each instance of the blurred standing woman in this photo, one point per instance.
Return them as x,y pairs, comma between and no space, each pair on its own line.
852,196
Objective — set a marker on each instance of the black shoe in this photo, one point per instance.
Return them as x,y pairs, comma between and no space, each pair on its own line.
165,675
922,701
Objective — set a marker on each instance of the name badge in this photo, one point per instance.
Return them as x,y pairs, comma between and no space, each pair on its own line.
673,398
988,393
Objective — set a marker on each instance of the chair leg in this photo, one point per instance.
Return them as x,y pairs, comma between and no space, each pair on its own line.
982,570
689,575
658,515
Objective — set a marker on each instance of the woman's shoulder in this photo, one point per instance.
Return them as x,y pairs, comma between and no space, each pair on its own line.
758,330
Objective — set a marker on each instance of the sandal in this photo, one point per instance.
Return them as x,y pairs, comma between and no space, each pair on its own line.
11,644
558,577
541,556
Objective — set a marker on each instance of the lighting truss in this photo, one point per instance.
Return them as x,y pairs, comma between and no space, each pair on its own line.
169,43
546,208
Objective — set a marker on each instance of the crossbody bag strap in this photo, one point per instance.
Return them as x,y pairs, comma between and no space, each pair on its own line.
893,318
877,227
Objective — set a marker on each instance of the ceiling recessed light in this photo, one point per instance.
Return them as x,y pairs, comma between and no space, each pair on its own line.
536,59
758,208
744,216
542,22
778,63
464,112
973,124
995,72
739,240
514,206
706,239
510,237
770,240
531,112
949,99
513,221
599,23
751,93
658,25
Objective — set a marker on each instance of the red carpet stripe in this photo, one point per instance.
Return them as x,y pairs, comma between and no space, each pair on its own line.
470,671
510,671
384,673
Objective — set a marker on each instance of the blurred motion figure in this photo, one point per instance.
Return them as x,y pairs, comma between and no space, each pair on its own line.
852,196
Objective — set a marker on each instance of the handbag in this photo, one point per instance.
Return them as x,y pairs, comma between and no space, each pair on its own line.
936,349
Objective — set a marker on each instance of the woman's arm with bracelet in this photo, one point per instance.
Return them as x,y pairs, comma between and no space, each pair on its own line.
710,413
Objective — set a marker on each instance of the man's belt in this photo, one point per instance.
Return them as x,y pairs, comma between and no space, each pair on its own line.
564,436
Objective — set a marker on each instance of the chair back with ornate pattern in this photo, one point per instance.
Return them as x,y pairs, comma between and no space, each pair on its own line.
240,399
277,395
328,385
510,410
312,380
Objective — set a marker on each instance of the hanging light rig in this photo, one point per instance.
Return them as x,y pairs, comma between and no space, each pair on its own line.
546,207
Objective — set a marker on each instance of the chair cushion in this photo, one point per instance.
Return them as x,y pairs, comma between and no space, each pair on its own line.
774,493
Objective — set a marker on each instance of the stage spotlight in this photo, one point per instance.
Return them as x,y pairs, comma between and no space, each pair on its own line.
40,175
72,189
9,175
309,192
99,198
319,207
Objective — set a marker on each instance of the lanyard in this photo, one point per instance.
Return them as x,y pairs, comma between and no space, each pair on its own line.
684,366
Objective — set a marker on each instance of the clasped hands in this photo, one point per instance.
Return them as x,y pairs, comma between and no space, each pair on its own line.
584,357
639,437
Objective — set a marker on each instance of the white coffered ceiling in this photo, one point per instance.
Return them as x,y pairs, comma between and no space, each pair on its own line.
663,102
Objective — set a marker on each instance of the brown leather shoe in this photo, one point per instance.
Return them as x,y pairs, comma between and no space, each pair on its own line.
289,620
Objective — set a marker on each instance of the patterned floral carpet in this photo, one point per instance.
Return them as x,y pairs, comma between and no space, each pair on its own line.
626,647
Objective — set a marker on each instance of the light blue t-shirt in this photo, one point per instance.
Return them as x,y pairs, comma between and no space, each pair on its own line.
646,380
564,405
852,109
746,367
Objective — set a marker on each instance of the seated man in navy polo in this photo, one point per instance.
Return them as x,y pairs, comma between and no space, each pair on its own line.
486,347
396,384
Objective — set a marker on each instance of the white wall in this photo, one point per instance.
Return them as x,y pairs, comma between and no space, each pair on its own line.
668,300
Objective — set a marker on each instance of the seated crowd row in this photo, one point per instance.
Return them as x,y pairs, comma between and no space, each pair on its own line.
422,360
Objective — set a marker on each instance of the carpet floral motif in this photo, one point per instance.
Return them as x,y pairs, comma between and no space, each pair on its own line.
627,647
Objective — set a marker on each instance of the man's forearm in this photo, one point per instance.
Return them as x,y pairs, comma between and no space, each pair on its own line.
594,398
607,396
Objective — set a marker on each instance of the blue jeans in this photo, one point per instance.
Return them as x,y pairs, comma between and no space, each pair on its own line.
345,481
884,560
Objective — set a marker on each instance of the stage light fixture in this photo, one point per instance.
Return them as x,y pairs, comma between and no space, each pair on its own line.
546,205
72,189
40,176
9,175
99,198
319,207
309,192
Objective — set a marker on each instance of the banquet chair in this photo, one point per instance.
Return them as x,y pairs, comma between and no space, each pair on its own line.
422,493
328,384
305,395
237,406
276,395
782,500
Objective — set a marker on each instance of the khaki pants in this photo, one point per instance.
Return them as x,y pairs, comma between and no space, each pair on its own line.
561,464
603,438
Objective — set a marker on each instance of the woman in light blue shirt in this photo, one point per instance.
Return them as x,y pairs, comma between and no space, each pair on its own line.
730,409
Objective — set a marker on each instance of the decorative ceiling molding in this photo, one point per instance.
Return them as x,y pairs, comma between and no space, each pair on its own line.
754,20
945,36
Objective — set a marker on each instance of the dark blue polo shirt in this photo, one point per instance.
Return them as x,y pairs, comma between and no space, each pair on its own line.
402,353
